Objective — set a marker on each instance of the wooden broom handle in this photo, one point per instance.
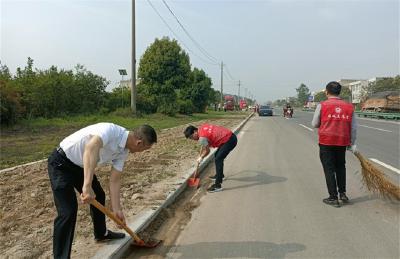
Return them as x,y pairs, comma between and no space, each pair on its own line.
116,220
197,170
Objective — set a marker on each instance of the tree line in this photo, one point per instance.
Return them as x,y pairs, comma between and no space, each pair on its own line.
303,92
166,84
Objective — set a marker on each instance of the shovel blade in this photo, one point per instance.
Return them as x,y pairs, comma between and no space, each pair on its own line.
193,182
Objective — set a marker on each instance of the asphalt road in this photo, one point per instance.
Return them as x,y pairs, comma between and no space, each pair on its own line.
271,205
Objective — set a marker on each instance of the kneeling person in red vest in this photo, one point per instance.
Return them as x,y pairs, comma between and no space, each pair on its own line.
217,137
337,130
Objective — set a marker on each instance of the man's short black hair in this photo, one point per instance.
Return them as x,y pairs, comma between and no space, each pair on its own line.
189,131
333,88
146,133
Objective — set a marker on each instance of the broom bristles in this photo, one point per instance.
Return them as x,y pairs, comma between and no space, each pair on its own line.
376,181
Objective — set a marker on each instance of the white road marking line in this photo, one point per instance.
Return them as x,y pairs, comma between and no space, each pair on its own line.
380,121
310,129
394,169
365,126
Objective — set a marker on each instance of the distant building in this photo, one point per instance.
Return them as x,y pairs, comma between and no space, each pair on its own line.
358,89
346,82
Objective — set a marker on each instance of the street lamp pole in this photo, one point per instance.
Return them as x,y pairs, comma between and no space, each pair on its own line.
123,73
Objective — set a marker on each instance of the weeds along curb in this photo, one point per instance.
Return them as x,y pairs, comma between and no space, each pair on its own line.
117,248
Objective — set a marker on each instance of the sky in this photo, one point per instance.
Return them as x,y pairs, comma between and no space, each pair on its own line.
271,46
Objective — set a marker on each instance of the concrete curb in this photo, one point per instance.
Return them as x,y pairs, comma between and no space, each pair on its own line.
117,248
23,165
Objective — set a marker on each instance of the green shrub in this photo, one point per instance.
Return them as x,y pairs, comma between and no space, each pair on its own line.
185,107
10,104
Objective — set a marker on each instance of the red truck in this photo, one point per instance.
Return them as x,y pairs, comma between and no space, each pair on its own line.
229,104
243,104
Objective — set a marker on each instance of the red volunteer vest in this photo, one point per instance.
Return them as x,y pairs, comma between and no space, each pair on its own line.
216,135
336,117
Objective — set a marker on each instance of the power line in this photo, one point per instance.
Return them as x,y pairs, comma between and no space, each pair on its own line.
227,70
183,43
188,34
230,80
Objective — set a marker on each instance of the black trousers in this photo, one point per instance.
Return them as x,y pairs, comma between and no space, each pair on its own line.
221,154
65,176
333,159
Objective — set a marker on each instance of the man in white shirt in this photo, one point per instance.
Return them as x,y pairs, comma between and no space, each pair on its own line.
72,166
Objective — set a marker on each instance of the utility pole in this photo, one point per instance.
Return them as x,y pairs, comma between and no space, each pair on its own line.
239,91
133,81
222,88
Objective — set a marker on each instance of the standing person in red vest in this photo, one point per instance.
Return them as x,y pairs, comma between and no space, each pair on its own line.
337,130
217,137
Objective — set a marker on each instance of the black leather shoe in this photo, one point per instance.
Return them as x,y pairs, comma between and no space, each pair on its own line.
332,201
343,197
110,236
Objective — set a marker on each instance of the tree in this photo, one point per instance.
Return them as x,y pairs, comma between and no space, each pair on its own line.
199,91
292,101
279,102
386,84
215,96
163,69
302,94
49,93
10,99
119,97
320,96
89,91
24,83
146,101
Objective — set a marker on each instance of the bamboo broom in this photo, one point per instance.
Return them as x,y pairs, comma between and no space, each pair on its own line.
375,180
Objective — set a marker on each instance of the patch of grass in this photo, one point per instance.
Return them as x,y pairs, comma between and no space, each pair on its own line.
32,140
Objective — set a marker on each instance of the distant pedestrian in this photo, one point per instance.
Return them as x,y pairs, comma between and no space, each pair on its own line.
337,130
209,135
72,167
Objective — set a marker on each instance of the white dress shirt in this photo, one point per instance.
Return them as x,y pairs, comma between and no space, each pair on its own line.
114,139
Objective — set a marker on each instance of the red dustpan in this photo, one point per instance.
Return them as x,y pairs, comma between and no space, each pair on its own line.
194,181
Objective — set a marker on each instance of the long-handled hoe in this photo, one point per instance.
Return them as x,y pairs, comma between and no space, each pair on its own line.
137,240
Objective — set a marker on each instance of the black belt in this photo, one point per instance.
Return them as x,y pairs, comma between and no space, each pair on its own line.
61,152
